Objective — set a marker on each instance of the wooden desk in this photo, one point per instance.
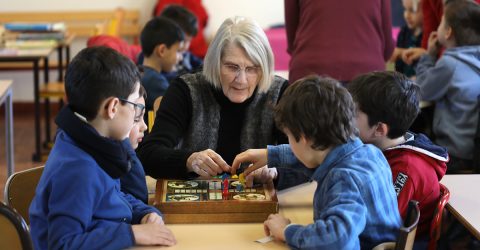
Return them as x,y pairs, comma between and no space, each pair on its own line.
464,201
6,99
34,56
295,203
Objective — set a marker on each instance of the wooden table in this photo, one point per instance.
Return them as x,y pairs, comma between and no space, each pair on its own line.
295,203
34,56
6,99
464,201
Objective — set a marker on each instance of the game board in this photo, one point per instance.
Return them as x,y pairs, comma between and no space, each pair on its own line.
205,201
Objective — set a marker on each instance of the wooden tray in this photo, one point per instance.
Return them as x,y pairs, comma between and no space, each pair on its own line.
201,201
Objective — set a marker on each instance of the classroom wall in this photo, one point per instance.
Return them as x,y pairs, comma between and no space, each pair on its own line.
218,10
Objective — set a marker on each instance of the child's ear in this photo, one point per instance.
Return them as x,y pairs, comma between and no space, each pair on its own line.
448,33
110,107
161,49
381,130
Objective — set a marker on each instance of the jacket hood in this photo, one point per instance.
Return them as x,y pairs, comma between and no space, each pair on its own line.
468,55
422,145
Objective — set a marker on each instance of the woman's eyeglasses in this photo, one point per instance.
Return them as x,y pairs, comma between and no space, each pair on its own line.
234,70
139,109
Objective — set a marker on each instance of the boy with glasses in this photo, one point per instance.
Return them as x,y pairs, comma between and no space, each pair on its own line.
78,202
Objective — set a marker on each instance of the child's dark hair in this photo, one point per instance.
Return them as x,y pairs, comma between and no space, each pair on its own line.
159,30
183,17
463,16
319,109
388,97
95,74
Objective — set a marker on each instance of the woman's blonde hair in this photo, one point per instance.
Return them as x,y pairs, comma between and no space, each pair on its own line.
246,34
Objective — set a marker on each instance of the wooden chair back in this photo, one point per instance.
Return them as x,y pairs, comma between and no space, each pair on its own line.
153,113
407,233
436,226
14,230
20,190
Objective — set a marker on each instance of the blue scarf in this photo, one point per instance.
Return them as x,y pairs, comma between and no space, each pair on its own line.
111,155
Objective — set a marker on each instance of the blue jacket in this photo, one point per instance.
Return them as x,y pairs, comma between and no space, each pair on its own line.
453,83
155,84
355,205
77,205
134,182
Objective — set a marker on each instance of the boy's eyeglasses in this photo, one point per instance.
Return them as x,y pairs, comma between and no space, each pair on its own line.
139,108
234,70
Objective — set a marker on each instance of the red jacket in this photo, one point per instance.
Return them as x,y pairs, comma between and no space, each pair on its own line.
116,43
198,46
432,15
417,167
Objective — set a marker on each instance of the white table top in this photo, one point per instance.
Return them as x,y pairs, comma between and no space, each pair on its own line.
464,200
4,86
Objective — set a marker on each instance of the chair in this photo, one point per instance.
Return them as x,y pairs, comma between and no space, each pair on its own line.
20,189
406,236
436,226
476,148
152,113
15,233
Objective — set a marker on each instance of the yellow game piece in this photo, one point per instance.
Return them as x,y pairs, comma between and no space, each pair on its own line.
234,176
241,179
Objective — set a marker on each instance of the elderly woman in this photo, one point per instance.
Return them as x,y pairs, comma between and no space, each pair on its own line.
207,118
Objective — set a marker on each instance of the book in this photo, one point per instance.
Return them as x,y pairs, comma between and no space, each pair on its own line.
19,26
30,44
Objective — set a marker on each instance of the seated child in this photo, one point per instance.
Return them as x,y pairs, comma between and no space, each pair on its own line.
78,202
134,182
161,40
453,81
387,104
410,36
189,25
354,203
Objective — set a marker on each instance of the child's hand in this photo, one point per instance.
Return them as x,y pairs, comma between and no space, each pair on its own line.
153,234
412,54
275,226
433,44
261,175
152,218
258,158
397,53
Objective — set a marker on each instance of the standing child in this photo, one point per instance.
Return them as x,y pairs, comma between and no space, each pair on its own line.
161,40
78,203
387,104
354,203
410,36
453,81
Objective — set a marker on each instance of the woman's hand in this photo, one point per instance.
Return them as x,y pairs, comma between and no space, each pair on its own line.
207,163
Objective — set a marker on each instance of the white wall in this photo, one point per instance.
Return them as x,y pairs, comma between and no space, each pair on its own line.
265,12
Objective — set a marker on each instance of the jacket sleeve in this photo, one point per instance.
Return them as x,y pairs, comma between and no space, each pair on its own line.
339,223
434,79
291,171
292,16
139,209
157,152
73,198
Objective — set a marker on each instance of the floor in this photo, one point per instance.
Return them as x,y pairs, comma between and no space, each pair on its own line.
23,143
